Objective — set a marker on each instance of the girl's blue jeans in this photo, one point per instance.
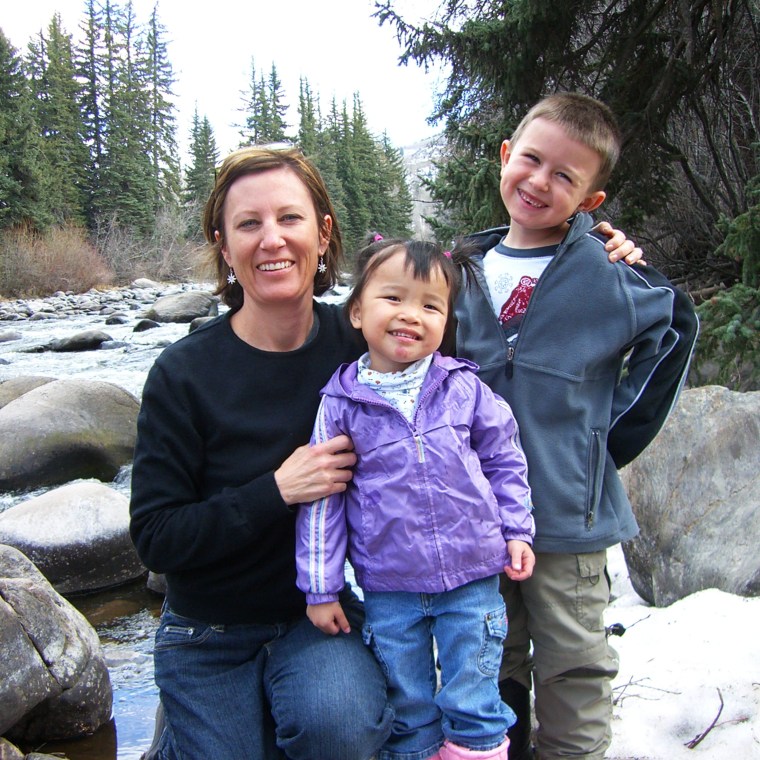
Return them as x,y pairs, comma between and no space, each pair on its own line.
469,625
262,692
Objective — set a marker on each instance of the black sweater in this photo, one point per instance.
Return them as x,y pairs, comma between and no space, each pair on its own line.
217,418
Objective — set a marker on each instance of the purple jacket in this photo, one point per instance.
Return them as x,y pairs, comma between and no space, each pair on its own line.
431,503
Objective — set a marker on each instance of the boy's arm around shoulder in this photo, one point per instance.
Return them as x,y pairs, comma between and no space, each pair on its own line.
656,371
321,533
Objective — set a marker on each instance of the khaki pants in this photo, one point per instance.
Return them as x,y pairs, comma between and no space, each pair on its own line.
560,610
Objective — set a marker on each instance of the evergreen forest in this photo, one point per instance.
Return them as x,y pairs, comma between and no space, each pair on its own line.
92,186
93,190
682,79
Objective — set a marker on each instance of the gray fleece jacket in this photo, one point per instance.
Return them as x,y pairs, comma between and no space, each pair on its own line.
601,355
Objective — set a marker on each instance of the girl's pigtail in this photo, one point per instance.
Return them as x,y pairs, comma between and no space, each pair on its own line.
463,254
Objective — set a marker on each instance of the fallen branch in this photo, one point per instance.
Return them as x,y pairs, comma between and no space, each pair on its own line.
640,683
697,739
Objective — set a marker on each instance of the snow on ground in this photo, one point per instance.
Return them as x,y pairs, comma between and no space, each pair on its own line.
677,665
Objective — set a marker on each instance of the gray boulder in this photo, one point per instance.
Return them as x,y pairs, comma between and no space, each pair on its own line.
183,307
7,336
54,683
87,340
11,389
696,495
65,430
77,535
144,282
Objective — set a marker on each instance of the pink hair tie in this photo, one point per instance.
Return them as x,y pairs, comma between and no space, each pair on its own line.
447,254
378,237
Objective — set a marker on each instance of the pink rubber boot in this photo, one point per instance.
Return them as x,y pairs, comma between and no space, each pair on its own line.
451,751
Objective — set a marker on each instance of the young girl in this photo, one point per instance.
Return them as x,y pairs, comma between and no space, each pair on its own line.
438,506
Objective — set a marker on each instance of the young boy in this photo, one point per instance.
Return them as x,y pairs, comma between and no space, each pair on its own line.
591,358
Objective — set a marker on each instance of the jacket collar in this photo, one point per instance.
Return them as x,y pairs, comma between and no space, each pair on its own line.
344,382
486,239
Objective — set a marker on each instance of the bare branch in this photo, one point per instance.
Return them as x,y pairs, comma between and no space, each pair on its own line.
697,739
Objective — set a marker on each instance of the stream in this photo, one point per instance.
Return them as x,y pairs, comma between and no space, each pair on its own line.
125,618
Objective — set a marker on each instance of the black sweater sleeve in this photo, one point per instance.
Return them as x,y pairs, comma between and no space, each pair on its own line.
218,417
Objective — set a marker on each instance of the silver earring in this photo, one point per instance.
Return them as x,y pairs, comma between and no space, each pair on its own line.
321,267
231,279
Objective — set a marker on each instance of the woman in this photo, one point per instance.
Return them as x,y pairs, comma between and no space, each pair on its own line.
220,463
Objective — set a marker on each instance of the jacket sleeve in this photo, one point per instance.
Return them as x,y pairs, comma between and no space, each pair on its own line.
496,440
321,533
655,373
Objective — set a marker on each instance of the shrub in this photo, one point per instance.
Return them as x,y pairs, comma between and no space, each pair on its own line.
38,264
728,351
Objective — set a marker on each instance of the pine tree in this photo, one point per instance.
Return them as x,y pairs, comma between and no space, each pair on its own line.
56,97
381,176
277,109
199,178
681,77
308,126
162,138
21,167
88,59
399,204
356,224
127,193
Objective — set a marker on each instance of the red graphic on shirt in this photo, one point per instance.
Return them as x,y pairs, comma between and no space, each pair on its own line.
517,302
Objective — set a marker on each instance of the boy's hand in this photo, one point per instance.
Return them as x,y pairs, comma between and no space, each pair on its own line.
328,617
522,560
618,246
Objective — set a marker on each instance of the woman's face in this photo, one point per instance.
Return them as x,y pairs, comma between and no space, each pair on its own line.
273,237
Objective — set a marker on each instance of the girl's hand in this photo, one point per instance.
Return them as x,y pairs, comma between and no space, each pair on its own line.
522,560
328,617
618,246
313,472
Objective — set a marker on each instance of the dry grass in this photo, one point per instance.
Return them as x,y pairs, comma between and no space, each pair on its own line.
38,264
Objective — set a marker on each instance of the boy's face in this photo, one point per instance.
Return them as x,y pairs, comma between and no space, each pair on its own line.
546,176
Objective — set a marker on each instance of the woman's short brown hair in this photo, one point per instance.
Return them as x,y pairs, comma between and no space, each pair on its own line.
252,160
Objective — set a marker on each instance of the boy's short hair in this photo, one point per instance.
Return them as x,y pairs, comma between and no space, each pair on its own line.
586,120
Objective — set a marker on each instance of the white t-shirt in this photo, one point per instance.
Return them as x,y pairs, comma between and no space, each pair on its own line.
511,274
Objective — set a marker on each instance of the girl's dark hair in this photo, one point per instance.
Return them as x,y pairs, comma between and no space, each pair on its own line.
422,257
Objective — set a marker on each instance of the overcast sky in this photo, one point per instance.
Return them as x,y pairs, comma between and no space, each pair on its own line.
335,44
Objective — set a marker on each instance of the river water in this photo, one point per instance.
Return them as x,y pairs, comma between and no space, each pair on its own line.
125,618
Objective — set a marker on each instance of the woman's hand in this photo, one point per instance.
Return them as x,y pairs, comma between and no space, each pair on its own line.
313,472
618,246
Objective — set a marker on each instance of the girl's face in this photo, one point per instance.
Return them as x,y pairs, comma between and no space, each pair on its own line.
402,319
273,237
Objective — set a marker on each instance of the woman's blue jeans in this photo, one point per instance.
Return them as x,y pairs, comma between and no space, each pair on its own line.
469,624
260,692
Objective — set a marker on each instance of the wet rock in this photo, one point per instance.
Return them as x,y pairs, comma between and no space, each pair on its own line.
18,386
696,495
145,324
87,340
156,583
77,535
65,430
183,307
54,683
118,319
198,322
144,282
6,336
